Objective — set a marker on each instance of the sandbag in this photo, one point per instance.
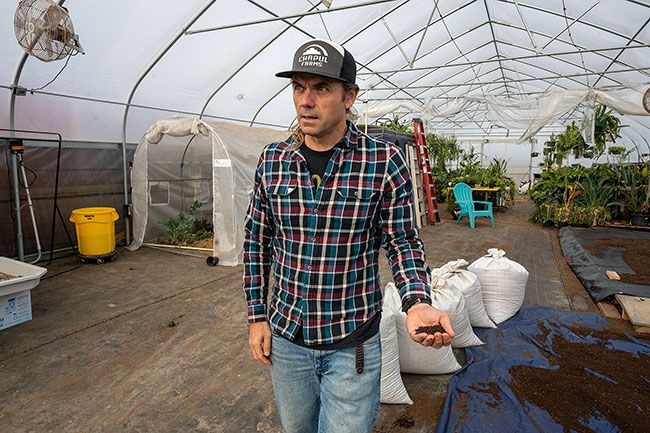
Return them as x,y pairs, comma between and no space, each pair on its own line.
392,390
448,298
413,357
503,282
469,285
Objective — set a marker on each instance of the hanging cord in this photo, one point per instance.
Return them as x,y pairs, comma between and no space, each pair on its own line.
57,75
182,163
10,198
29,184
582,59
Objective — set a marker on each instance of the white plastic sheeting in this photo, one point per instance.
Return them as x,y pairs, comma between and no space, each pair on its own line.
183,160
408,51
531,114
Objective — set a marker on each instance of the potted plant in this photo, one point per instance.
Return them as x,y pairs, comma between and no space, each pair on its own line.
636,192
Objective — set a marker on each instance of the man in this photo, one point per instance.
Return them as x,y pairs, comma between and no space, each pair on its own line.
324,201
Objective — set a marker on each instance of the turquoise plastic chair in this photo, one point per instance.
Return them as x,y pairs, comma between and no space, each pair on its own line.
463,196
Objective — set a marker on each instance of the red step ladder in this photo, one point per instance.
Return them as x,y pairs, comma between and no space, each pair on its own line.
424,164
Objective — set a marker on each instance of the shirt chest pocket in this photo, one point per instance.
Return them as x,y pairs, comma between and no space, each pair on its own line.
285,203
356,207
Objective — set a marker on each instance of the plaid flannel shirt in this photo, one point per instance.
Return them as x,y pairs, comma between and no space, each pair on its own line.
324,244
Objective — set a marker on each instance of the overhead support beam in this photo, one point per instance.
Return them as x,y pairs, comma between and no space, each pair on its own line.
287,17
523,21
622,50
551,12
361,65
253,56
502,58
518,80
392,35
582,49
575,20
494,41
424,33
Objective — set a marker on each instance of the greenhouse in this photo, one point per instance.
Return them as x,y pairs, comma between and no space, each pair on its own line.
132,134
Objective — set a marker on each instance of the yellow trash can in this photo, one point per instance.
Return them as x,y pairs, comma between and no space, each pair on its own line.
95,227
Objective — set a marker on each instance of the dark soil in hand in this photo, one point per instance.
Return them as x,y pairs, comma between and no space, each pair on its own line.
430,329
588,381
635,252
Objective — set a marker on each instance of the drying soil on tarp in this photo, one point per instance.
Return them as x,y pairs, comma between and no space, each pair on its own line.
588,382
635,252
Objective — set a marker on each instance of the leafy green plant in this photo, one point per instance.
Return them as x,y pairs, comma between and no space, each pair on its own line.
596,192
396,124
443,151
607,128
634,189
185,229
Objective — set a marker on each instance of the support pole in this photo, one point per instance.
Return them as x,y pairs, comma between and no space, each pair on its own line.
16,195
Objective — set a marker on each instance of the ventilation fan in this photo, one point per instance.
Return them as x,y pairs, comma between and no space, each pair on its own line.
44,30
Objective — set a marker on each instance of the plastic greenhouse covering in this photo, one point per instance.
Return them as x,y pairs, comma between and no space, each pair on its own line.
181,161
494,73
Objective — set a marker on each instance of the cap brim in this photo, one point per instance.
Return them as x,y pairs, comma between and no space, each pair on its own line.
290,74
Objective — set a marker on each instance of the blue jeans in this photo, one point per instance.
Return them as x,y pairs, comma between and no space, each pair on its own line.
320,391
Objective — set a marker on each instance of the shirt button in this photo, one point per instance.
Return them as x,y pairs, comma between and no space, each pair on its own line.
309,268
315,210
313,239
356,193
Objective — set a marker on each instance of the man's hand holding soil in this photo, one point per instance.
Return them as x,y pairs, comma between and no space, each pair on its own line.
424,315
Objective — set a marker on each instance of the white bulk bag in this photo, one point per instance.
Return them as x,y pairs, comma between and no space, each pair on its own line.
392,389
448,298
503,282
469,285
413,357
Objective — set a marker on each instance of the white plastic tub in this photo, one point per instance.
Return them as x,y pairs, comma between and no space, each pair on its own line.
26,276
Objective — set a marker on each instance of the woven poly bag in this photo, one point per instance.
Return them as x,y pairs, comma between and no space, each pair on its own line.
503,282
469,285
413,357
392,390
448,298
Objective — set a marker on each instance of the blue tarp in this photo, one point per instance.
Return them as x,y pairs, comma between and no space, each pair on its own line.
480,398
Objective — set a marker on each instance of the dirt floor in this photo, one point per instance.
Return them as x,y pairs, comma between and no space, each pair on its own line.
635,252
157,340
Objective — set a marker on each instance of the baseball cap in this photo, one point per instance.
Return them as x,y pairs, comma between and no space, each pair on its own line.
320,57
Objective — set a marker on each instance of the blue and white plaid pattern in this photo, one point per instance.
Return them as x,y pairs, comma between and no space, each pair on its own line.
325,243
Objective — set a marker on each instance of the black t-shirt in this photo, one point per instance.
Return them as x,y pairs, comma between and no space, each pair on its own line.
317,164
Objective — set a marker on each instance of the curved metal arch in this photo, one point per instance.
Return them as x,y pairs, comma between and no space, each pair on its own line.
529,49
622,51
440,46
579,47
553,57
134,88
14,164
365,27
252,57
494,40
557,14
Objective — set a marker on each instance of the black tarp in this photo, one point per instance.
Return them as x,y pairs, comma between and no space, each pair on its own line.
591,269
